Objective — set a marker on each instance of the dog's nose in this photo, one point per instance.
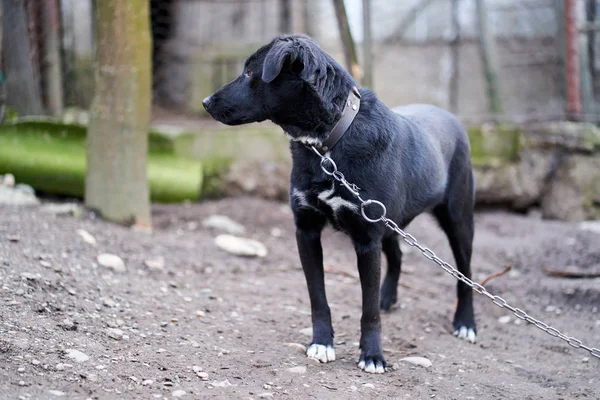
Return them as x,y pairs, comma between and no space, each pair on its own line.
207,102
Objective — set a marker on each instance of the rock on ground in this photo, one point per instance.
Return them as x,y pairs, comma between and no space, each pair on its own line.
420,361
223,223
241,246
111,261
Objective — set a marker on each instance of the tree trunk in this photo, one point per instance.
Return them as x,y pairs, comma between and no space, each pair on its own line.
285,16
487,47
367,45
347,41
572,61
21,80
52,62
117,142
454,57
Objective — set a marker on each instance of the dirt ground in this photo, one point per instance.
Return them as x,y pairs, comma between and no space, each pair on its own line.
55,298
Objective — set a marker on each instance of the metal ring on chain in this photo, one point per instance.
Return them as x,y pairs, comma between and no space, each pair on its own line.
326,160
369,202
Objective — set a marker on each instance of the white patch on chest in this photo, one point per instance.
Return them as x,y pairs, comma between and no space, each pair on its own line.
336,202
301,199
304,139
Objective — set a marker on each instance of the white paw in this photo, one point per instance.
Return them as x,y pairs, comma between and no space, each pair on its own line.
321,353
371,367
467,334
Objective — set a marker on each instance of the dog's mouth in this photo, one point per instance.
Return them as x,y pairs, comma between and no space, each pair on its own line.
227,116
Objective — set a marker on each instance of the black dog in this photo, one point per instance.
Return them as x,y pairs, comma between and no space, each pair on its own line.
412,161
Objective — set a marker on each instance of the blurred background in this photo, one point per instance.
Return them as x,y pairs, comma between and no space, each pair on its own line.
522,75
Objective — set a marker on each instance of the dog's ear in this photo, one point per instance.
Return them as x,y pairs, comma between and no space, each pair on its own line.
283,54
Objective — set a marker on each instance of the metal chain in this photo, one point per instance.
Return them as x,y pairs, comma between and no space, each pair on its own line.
327,162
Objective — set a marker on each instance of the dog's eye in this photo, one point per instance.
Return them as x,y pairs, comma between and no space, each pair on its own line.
248,74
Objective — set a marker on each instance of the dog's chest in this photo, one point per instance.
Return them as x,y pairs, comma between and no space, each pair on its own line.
325,200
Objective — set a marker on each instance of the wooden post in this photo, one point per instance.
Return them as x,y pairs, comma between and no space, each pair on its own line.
24,94
52,60
487,47
347,41
455,58
285,16
117,140
572,61
367,45
408,19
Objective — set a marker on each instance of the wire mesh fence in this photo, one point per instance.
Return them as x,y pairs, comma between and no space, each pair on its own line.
423,51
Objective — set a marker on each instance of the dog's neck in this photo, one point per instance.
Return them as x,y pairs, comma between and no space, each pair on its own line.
315,129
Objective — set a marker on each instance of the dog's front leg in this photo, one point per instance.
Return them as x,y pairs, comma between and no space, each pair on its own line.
311,257
369,268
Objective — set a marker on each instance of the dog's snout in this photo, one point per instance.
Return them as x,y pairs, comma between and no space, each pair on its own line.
207,102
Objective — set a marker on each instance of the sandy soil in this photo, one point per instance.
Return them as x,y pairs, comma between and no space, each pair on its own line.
55,298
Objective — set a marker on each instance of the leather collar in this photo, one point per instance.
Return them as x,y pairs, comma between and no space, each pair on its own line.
351,107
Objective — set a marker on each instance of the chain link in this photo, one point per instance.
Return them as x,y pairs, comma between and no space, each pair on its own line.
430,255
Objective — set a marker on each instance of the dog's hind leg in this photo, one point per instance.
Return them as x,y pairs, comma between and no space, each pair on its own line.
369,268
389,288
456,219
308,238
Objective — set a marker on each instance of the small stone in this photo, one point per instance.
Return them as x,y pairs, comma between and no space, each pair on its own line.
147,382
585,359
179,393
196,369
20,292
68,325
13,239
203,375
111,261
223,223
109,302
8,180
56,393
87,237
420,361
45,264
61,366
174,320
504,319
160,350
20,369
35,362
21,383
266,395
297,370
30,276
156,263
297,346
369,385
224,383
20,195
276,232
241,246
307,332
76,355
592,226
114,333
200,314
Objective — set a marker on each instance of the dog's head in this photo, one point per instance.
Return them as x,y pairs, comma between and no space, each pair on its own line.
290,81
